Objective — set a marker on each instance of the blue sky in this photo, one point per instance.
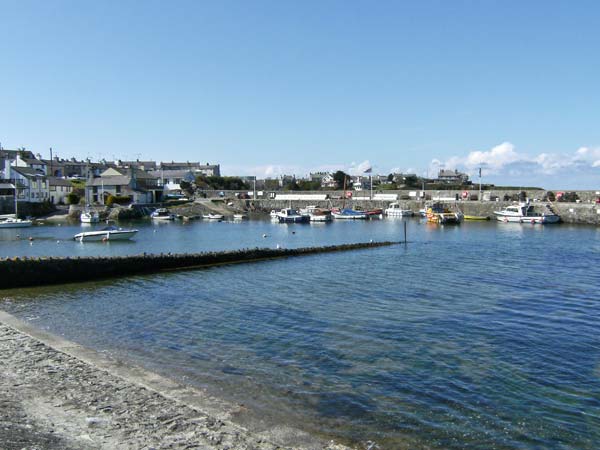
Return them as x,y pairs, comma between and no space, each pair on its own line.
269,87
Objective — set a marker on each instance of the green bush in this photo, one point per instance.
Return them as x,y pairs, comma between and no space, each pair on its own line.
73,198
118,199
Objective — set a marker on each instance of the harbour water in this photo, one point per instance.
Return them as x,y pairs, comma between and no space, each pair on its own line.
484,335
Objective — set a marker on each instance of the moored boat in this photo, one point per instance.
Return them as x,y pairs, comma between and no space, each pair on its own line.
240,216
468,217
290,215
89,217
438,213
213,216
349,214
525,212
109,233
317,214
162,214
395,210
14,222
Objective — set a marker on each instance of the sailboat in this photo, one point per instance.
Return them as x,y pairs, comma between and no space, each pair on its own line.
14,221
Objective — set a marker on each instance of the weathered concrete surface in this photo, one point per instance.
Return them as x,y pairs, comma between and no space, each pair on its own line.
55,394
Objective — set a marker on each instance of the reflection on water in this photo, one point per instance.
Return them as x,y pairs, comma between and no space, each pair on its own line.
484,335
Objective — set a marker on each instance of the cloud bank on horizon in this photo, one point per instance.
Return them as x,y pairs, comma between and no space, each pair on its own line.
503,164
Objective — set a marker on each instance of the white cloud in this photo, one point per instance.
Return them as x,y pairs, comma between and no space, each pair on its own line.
505,159
359,169
503,163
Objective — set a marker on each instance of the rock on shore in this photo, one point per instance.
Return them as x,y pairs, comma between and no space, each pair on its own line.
50,399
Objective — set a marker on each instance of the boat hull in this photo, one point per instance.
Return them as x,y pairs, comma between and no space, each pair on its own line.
16,223
293,219
398,213
547,219
103,236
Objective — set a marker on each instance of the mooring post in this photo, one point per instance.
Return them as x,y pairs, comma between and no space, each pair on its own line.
404,233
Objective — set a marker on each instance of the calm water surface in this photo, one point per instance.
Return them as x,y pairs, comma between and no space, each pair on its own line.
483,336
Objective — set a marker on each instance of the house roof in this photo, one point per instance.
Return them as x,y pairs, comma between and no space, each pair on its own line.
171,173
56,181
33,161
116,180
12,154
26,171
139,174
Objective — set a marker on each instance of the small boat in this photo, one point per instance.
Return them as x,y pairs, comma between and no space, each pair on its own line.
349,214
109,233
290,215
374,213
89,217
239,216
162,214
395,210
14,222
317,214
467,217
438,213
524,212
212,216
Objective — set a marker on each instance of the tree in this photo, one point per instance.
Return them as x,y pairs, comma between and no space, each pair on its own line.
73,198
342,179
411,181
390,177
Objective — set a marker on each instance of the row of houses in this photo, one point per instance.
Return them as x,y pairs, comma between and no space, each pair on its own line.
39,180
364,182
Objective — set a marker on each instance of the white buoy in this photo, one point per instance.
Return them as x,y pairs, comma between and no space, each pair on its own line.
58,242
265,235
278,246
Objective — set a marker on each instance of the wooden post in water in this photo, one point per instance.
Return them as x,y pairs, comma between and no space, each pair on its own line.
404,232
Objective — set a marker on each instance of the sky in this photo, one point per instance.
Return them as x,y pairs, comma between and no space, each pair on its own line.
271,87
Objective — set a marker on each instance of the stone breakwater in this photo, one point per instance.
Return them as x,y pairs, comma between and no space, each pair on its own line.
26,272
55,394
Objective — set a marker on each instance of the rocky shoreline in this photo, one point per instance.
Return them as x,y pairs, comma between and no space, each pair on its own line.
55,394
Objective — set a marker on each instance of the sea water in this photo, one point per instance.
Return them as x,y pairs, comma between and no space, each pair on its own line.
484,335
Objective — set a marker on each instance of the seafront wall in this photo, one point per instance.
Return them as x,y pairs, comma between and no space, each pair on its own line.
26,272
580,213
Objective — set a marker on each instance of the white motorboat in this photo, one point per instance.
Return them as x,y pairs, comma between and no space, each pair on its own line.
524,212
395,210
212,216
317,214
14,222
274,215
89,217
162,214
240,216
109,233
290,215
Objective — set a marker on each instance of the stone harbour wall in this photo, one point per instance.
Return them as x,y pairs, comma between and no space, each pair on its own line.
24,272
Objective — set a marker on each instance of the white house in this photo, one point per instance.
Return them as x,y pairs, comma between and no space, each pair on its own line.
59,188
32,186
